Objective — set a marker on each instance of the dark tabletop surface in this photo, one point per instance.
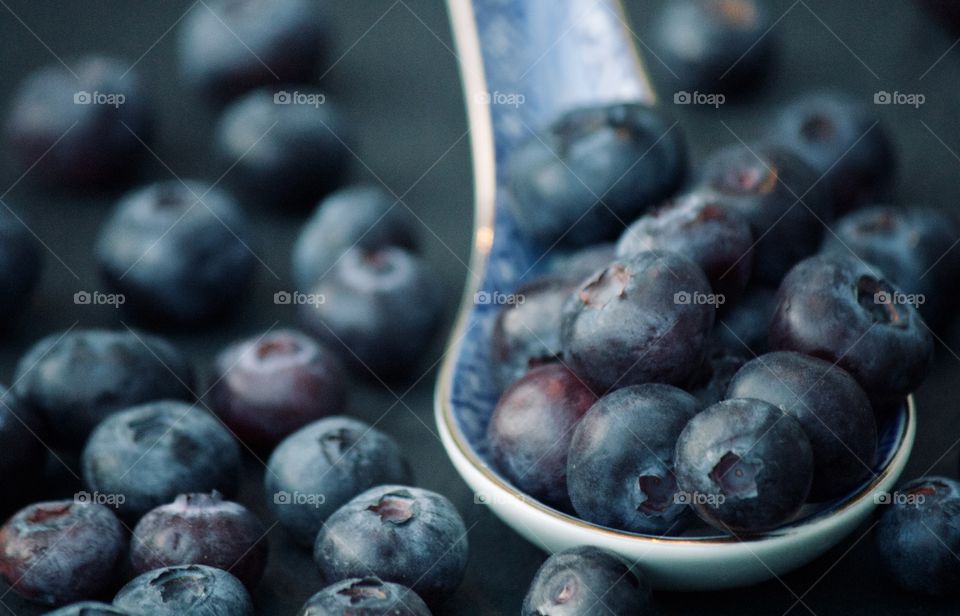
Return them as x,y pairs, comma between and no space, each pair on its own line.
395,76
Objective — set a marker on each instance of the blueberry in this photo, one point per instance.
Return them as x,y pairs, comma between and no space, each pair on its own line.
91,608
643,319
178,252
580,263
913,247
75,379
317,469
227,47
284,153
81,126
710,382
714,45
744,465
271,385
779,196
587,581
369,596
365,216
20,264
149,454
380,307
840,138
840,309
593,169
742,326
832,409
400,534
918,536
699,227
620,467
185,590
530,431
58,552
201,529
20,441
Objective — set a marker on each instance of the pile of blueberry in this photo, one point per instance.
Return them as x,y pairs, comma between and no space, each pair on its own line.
153,525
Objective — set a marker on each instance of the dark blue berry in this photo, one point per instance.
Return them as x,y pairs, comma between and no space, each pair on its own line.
91,608
580,263
368,596
81,126
151,453
838,308
587,581
530,431
24,454
20,264
271,385
201,529
400,534
643,319
593,169
58,552
317,469
73,380
620,466
744,465
180,253
185,589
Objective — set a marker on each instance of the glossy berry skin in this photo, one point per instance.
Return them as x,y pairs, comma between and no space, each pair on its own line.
20,264
400,534
179,252
778,194
268,386
379,309
282,154
365,216
710,382
918,536
832,307
701,228
91,608
831,407
624,154
335,458
841,140
20,441
230,46
745,464
913,247
185,589
74,380
587,581
743,327
531,427
201,529
369,596
153,452
620,465
74,139
714,45
641,320
58,552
